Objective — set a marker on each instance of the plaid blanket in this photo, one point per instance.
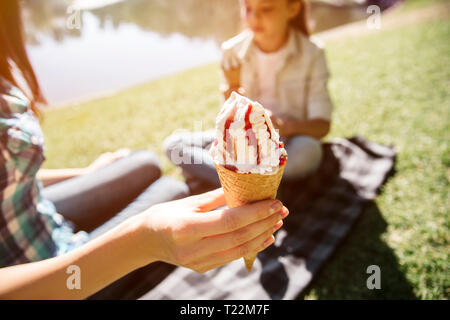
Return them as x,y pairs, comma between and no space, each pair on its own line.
323,209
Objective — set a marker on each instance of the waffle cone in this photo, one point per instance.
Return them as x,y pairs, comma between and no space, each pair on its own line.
243,188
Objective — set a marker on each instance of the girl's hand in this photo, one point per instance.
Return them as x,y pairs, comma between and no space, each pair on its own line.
279,123
186,233
107,158
231,68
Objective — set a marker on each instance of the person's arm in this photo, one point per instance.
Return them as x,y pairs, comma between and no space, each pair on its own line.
101,261
226,91
52,176
230,75
231,81
183,232
319,105
317,128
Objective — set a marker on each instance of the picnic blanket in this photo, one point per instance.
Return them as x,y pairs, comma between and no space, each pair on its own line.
323,208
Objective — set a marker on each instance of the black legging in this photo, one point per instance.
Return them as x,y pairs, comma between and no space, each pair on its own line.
99,201
92,199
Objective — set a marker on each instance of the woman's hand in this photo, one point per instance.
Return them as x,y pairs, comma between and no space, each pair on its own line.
180,232
107,158
52,176
186,233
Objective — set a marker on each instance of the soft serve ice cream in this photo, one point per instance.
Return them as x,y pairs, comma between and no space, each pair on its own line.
248,155
246,140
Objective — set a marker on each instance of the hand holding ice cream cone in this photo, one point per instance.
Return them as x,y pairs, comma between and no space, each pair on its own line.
248,155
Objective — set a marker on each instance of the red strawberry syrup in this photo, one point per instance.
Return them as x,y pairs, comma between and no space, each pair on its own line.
228,143
250,135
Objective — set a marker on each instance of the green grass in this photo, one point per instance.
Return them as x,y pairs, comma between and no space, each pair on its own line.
140,117
391,87
416,4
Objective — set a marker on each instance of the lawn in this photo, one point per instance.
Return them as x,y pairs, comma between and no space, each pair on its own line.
392,87
414,4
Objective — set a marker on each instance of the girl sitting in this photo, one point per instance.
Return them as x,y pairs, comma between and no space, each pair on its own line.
275,62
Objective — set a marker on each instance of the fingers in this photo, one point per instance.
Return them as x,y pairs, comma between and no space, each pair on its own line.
226,65
234,62
121,153
230,61
233,239
224,221
218,259
207,201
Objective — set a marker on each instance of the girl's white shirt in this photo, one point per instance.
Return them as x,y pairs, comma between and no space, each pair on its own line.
299,90
268,65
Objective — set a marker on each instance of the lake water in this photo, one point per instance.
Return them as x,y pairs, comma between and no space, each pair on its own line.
109,53
122,43
107,59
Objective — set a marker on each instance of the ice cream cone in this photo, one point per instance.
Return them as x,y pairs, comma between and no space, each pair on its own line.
243,188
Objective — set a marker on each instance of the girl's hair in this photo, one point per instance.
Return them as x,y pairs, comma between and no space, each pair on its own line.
300,21
13,53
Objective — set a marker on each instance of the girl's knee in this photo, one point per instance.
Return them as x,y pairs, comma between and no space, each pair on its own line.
304,157
169,189
145,161
171,143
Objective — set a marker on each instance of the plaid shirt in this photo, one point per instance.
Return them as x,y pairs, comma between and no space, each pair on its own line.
30,227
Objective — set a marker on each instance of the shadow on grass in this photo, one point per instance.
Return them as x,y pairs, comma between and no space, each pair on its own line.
335,232
344,275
